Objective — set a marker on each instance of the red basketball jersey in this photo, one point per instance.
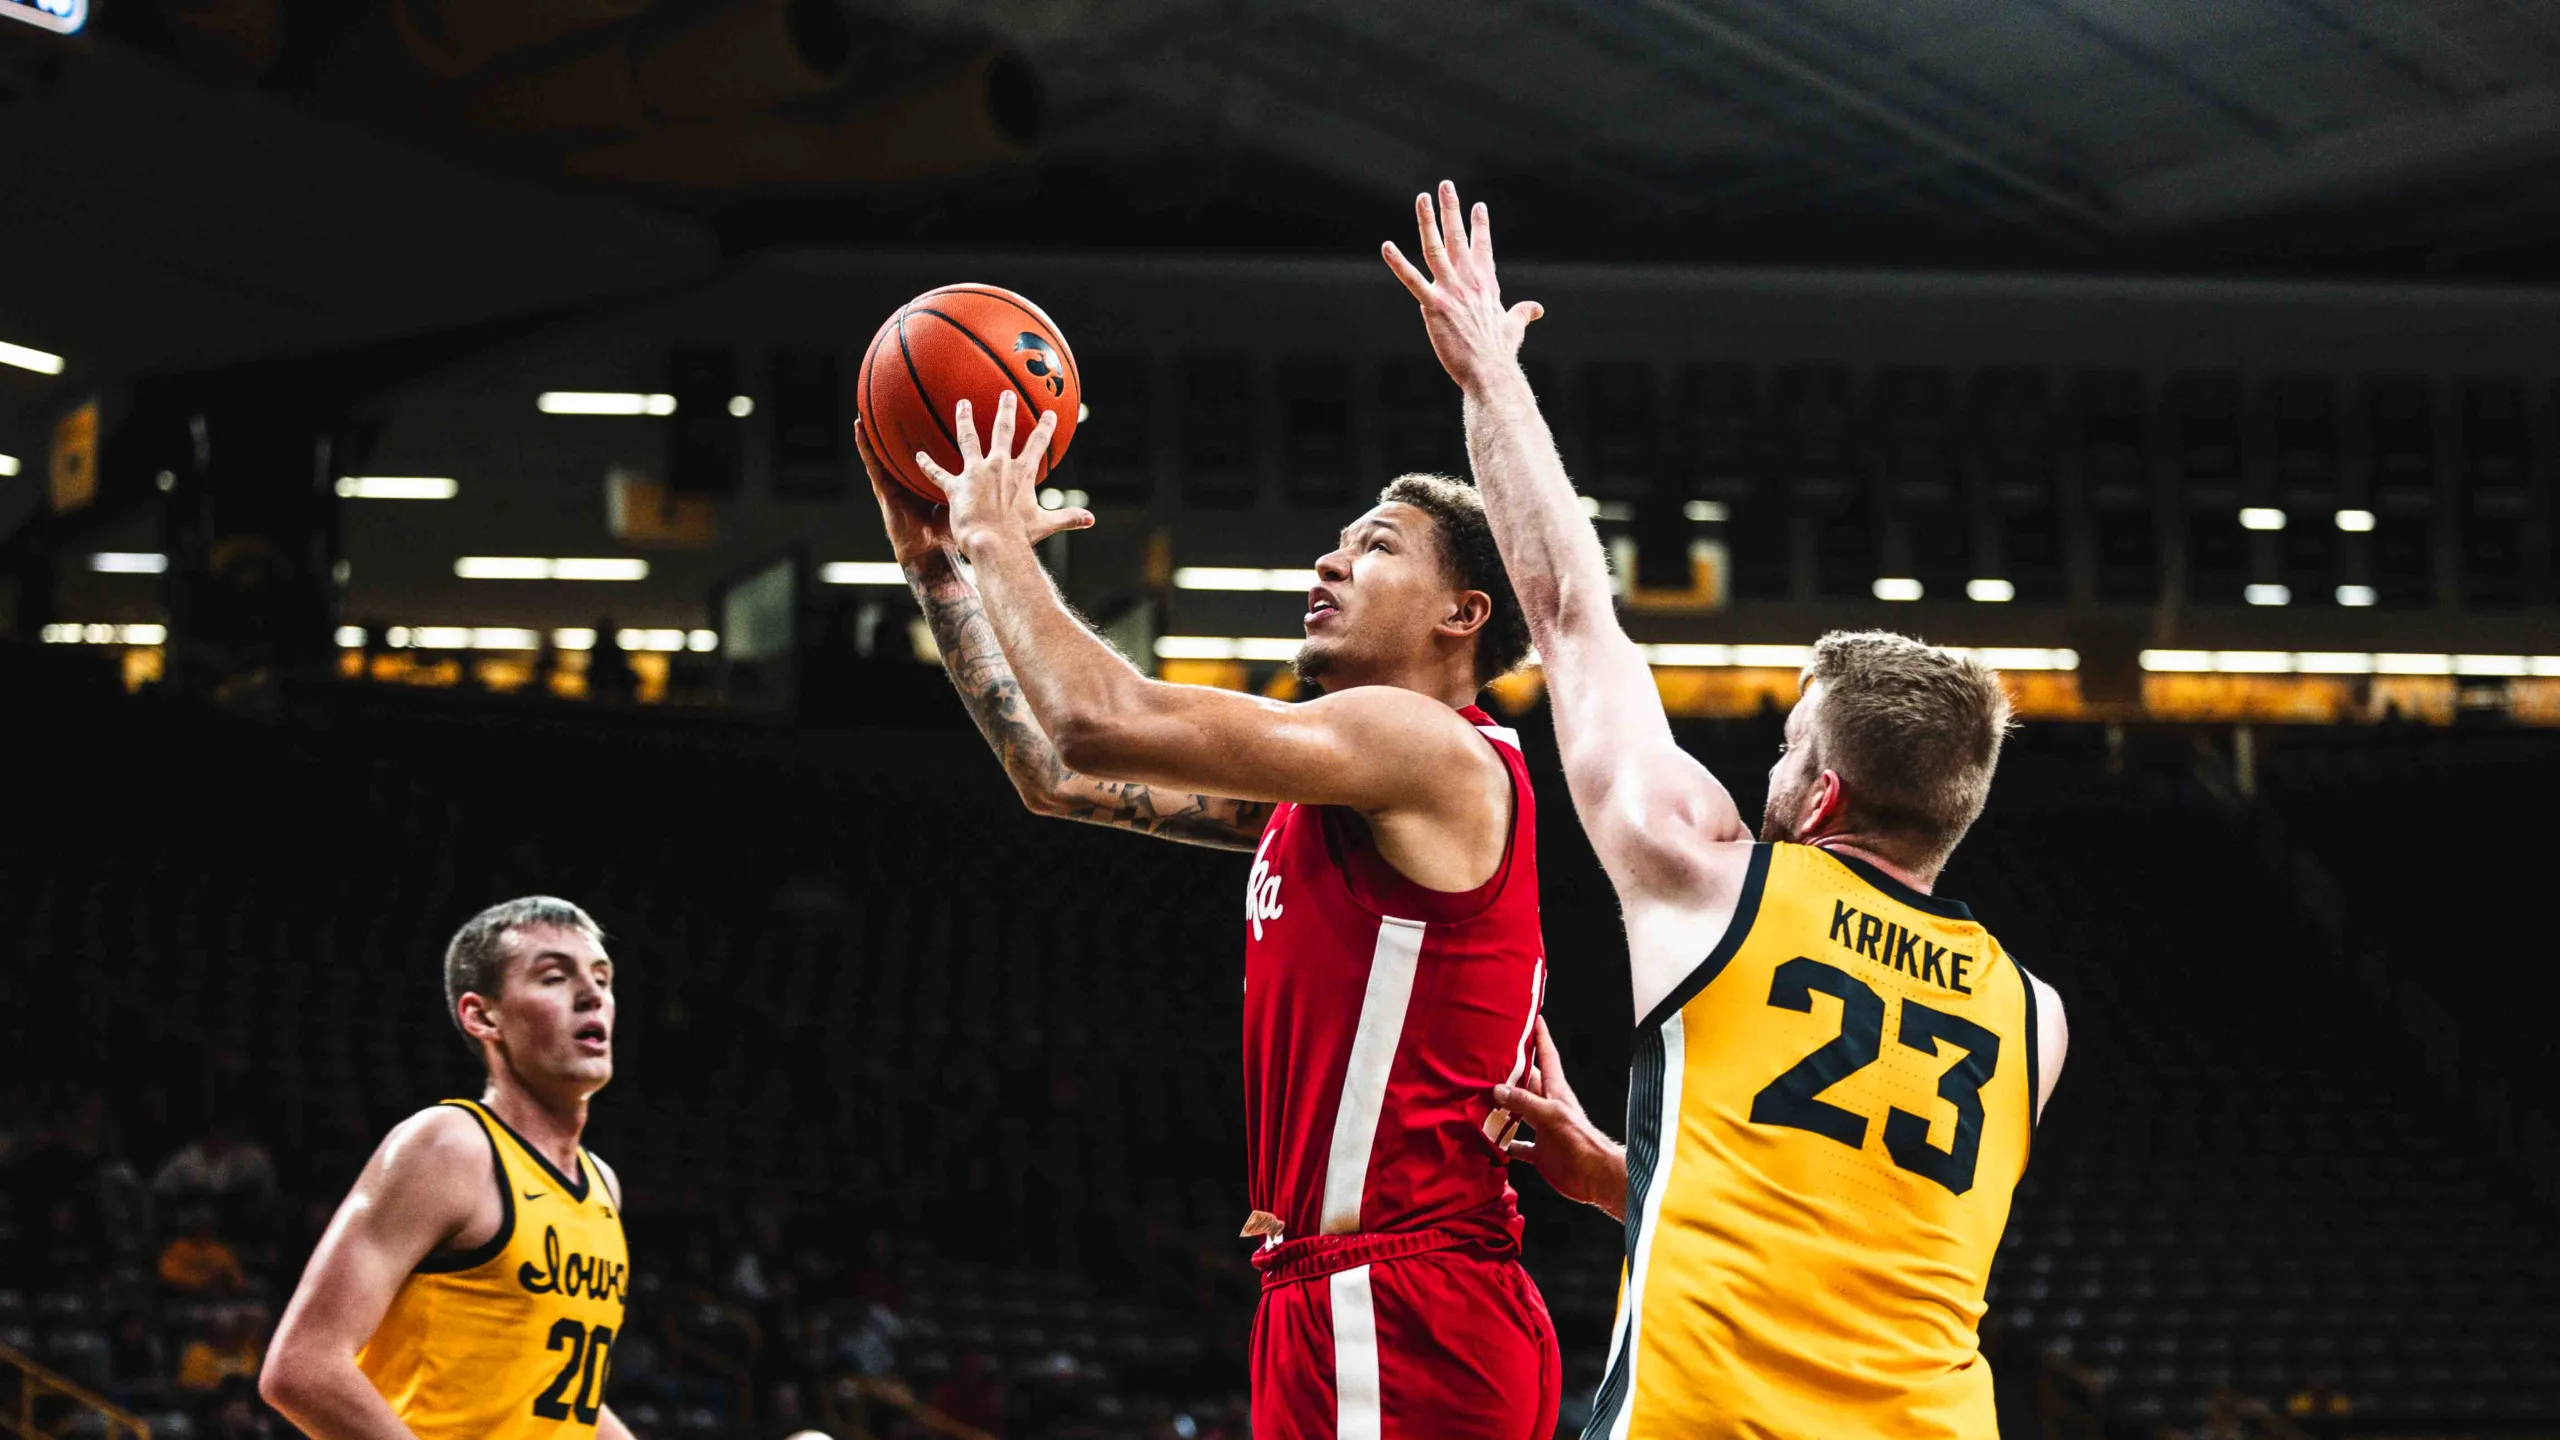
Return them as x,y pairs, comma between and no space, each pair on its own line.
1377,1017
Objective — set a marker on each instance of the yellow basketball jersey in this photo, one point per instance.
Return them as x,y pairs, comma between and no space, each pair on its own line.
513,1339
1825,1124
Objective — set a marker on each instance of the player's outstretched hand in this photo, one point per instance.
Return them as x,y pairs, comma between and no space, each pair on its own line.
1471,331
997,492
1574,1157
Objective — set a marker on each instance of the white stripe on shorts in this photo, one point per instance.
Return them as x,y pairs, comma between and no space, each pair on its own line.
1356,1413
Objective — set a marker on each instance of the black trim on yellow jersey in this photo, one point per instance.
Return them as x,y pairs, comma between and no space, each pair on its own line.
1746,909
487,1250
1919,900
577,1190
2035,1057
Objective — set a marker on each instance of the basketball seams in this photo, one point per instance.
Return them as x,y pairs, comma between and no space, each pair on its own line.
1029,404
924,396
1029,311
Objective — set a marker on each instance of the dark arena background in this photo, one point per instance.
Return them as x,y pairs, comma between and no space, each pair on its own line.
427,477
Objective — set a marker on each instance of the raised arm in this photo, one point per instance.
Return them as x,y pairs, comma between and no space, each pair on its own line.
921,540
1386,752
1647,804
422,1189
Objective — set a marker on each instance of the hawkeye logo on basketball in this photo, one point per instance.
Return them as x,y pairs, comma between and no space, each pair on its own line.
573,1275
1040,362
1261,890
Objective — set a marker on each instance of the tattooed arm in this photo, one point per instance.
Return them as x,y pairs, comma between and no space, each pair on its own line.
920,536
987,687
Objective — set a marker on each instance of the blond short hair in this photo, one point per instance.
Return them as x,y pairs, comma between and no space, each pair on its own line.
1914,733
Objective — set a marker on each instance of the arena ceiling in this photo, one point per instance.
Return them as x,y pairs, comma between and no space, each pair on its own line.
198,195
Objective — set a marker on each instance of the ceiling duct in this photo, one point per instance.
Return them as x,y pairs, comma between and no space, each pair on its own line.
747,56
989,111
455,37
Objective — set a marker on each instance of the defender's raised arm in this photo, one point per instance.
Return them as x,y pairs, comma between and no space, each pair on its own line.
1647,803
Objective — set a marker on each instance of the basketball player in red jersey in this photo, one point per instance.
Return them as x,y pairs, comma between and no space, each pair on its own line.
1393,966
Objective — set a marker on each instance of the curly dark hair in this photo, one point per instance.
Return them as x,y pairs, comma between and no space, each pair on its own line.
1466,545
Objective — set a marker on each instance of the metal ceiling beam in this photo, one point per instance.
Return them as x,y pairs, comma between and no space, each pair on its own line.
2347,165
1885,114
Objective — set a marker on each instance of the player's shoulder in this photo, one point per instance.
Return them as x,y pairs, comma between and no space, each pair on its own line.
438,1140
605,1172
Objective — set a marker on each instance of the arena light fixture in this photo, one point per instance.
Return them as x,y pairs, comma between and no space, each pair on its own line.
2413,664
1053,498
1704,512
2178,661
863,572
2261,517
574,637
43,362
8,465
1230,577
397,487
534,567
1773,657
350,637
62,17
2268,594
603,402
1614,511
1225,647
129,562
2252,662
1710,656
1990,592
2491,665
142,634
2332,662
2356,595
1898,587
2357,521
702,642
2005,657
741,406
658,640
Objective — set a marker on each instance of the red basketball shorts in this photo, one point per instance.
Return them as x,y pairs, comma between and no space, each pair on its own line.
1357,1341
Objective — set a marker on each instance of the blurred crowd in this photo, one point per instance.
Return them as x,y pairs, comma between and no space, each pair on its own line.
154,1283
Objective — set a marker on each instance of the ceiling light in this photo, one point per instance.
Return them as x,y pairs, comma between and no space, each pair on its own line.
1773,657
1225,577
128,562
2333,662
660,640
702,642
2024,658
2413,664
1897,587
1686,655
350,637
8,464
2259,517
43,362
1990,592
741,406
2177,661
603,402
2268,595
862,572
2490,665
1225,647
574,638
532,567
606,568
396,487
2356,595
1703,512
2355,520
2252,662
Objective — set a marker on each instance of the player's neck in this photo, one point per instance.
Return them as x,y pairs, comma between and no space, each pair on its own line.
1455,688
1924,881
551,1125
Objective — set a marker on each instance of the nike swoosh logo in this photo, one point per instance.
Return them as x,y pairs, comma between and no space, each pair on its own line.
535,1194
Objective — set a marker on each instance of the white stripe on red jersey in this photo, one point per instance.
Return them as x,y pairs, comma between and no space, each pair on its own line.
1378,1015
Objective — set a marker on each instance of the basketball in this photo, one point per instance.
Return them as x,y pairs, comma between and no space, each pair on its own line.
962,342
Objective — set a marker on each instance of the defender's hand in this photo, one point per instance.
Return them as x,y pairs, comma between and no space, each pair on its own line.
996,494
1471,332
1576,1160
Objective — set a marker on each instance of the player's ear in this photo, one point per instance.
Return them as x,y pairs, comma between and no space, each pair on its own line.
1826,805
1467,616
473,1011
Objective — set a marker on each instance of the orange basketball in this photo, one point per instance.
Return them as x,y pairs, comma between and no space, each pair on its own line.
962,342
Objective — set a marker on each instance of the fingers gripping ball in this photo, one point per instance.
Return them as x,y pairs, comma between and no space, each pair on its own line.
962,342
